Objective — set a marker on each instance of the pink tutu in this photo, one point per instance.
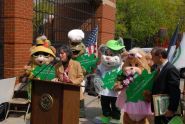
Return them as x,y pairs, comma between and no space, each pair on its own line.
136,110
121,99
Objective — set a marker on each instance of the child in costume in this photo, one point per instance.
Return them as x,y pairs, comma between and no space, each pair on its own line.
134,83
88,62
108,69
42,54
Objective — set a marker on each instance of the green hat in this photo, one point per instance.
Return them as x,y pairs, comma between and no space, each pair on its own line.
115,45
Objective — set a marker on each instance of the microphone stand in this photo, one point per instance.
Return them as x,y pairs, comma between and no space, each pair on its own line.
28,81
52,65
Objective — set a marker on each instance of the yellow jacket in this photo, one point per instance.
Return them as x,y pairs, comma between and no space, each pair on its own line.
75,73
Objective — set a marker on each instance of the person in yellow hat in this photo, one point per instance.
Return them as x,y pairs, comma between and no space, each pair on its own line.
41,54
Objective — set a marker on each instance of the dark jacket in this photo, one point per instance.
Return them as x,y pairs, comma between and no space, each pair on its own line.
167,82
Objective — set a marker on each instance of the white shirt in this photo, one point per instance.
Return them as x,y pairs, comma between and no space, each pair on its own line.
161,66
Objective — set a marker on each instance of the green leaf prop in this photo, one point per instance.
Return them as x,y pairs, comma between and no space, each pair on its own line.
88,62
44,72
141,83
110,78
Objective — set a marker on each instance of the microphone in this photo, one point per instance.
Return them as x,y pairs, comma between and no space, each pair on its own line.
52,64
55,61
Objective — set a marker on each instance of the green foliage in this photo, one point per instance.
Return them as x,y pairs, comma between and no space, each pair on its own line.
140,19
42,10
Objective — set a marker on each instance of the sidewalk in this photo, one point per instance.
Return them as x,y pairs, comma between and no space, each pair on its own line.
92,110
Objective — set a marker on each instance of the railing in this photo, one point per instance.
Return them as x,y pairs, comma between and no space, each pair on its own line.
54,18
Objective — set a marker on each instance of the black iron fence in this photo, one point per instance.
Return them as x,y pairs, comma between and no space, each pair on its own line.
54,18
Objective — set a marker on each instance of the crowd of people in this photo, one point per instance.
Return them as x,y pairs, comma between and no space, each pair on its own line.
127,80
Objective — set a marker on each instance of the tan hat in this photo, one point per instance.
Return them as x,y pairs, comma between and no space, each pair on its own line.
41,39
42,49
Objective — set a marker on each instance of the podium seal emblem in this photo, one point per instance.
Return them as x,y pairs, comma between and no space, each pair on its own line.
46,101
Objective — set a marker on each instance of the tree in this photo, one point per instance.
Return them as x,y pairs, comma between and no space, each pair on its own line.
43,13
141,19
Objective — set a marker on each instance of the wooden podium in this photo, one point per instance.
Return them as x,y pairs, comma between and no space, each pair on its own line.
54,103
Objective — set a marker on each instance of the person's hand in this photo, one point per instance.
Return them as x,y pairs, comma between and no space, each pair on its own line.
55,80
117,86
27,67
169,113
147,95
68,81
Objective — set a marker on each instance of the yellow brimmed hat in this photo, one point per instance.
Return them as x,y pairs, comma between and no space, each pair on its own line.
42,49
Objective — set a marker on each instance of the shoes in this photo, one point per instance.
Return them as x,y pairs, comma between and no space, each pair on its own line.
82,109
102,120
106,120
115,121
82,113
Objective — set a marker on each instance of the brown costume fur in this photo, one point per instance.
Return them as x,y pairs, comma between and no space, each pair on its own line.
141,63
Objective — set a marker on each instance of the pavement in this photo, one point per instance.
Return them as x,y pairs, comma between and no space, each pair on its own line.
93,109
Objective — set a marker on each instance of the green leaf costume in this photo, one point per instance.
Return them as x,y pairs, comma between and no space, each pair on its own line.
88,62
44,72
109,78
141,83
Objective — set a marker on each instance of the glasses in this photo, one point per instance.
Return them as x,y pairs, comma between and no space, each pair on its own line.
109,52
41,53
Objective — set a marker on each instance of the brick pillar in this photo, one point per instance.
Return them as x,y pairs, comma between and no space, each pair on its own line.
106,18
17,35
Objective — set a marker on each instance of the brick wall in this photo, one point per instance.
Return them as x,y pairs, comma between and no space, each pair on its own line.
17,31
1,37
17,35
106,18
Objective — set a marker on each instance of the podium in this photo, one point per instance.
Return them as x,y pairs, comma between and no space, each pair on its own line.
54,103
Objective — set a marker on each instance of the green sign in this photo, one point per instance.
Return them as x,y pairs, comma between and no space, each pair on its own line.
44,72
110,78
88,62
141,83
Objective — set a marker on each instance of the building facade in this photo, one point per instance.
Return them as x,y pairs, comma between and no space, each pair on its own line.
18,27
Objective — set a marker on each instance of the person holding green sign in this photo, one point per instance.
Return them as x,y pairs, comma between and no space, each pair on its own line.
88,62
41,54
108,69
